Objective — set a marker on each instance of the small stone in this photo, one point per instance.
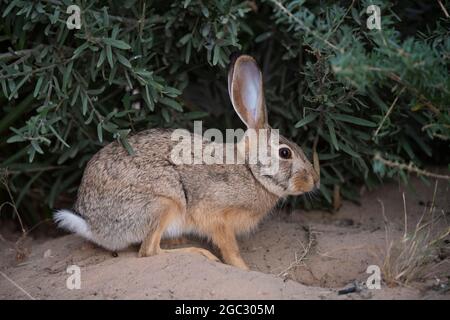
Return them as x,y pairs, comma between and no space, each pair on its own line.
345,222
48,253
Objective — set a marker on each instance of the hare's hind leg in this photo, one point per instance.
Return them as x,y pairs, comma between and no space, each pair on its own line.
167,211
151,244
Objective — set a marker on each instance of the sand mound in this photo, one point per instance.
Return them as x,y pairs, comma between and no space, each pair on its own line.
293,255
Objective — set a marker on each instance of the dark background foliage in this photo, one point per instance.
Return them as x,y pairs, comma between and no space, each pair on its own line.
362,101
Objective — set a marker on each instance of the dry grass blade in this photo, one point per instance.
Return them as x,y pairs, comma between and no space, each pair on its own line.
410,258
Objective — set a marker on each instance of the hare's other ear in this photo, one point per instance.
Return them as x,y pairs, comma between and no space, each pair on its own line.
245,87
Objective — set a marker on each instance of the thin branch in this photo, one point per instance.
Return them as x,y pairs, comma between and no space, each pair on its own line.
388,112
422,98
51,66
306,28
306,250
443,9
19,54
343,17
12,203
129,21
410,168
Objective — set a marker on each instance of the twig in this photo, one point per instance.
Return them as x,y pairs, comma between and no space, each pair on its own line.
410,168
298,260
443,9
422,98
18,54
386,223
142,21
343,17
406,216
388,112
51,66
131,21
17,286
306,28
4,181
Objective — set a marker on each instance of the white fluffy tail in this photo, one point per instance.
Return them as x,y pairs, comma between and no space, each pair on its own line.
70,221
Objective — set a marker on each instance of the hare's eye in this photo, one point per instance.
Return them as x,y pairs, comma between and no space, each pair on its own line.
285,153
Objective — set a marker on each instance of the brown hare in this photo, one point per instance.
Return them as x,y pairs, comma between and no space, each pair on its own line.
127,199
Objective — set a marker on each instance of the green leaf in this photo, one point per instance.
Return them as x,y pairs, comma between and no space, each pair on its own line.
36,146
352,119
123,60
185,39
84,102
205,11
59,137
171,103
148,100
309,118
16,89
263,36
10,7
110,127
122,137
100,132
187,56
109,56
101,58
80,50
16,138
67,74
165,115
330,126
116,43
193,115
75,95
326,193
4,87
186,3
38,86
349,150
31,153
216,55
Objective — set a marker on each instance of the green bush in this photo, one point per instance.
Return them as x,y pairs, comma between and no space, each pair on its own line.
363,101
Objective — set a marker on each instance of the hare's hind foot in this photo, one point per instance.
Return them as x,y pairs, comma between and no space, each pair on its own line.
182,241
145,252
196,250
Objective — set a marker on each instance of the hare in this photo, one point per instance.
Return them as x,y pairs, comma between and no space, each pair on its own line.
130,199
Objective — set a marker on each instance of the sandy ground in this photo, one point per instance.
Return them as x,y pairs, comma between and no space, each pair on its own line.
293,255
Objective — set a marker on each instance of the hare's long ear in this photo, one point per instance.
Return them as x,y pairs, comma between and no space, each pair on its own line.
245,87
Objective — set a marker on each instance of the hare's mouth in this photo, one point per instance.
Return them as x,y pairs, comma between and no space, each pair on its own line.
302,183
